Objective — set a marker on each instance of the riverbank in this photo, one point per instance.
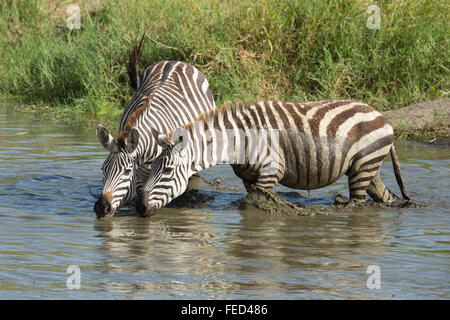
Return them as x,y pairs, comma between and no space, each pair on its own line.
427,121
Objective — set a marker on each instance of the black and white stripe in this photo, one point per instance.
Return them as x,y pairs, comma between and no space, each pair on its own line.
169,94
300,145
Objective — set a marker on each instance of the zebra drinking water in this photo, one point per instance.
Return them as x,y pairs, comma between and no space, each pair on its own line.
168,95
300,145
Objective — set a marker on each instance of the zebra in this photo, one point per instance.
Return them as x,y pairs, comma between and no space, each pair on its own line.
299,145
168,94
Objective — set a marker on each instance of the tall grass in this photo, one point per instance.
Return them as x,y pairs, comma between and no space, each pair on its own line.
290,50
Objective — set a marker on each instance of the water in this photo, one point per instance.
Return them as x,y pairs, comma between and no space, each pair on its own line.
50,177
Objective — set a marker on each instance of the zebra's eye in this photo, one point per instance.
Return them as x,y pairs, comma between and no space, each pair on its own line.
168,170
127,172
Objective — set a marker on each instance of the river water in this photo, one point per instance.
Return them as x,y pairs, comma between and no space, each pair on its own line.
50,177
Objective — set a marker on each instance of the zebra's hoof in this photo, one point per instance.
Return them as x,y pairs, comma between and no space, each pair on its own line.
340,200
407,204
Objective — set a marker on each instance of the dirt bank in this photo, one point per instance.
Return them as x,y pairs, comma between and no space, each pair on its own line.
427,121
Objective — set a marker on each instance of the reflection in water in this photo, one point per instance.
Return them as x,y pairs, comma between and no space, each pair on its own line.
183,242
49,179
320,255
314,251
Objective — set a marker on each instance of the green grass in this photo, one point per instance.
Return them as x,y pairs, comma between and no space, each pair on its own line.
289,50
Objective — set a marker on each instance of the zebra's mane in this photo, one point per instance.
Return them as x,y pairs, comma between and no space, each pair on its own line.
131,122
227,106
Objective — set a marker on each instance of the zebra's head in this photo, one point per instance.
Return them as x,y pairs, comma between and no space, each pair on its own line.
169,173
118,171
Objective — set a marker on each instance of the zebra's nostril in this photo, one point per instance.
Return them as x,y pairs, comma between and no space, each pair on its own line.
103,206
141,204
97,209
150,211
141,208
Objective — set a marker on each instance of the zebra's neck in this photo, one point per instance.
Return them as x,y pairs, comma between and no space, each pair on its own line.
228,135
178,91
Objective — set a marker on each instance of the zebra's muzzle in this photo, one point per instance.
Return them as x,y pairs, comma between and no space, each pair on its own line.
141,205
103,205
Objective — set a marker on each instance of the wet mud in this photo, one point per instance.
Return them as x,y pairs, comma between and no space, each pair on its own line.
201,191
341,202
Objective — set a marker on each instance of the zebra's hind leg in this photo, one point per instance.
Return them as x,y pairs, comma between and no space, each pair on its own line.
359,182
358,192
378,191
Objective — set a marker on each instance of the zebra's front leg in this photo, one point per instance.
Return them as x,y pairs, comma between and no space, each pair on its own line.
260,197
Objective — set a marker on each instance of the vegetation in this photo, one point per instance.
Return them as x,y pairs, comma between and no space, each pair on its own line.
290,50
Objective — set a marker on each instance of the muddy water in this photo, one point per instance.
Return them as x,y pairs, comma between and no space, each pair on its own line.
49,179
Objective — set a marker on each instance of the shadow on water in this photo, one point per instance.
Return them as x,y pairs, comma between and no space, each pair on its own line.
50,178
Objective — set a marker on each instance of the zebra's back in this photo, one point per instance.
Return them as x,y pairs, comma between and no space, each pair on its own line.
318,141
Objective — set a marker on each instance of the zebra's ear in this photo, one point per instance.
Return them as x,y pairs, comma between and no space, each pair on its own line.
162,139
132,140
105,138
179,138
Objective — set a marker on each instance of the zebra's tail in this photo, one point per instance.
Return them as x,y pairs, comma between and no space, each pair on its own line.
398,174
133,64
